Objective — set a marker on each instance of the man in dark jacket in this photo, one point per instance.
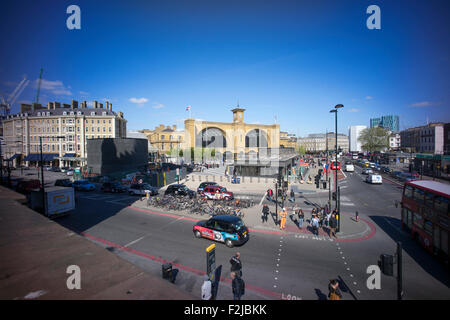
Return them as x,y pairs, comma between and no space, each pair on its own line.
265,213
333,225
236,264
237,285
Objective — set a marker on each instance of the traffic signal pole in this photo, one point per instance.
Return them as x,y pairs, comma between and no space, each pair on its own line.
399,271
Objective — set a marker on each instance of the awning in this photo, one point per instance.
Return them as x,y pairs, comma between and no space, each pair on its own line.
69,155
37,157
14,156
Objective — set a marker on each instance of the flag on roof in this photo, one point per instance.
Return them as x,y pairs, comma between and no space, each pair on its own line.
188,108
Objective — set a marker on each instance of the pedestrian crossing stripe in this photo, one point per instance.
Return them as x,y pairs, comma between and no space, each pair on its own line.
313,238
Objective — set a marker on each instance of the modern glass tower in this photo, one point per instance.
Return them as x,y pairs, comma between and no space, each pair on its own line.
390,122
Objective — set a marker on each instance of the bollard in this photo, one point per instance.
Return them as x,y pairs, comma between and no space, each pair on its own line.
357,216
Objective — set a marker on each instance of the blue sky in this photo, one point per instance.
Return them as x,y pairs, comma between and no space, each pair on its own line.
291,59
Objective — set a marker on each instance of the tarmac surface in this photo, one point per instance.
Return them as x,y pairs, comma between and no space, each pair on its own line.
36,253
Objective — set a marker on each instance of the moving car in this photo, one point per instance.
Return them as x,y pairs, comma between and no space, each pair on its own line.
374,179
349,167
179,190
205,184
367,171
63,183
407,176
83,185
142,189
217,192
113,187
223,228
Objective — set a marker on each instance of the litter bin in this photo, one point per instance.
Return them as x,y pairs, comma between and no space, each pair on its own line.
167,271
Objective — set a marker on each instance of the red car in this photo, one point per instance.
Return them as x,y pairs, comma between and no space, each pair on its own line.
217,192
336,165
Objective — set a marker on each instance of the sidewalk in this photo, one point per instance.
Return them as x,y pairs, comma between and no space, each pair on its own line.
36,252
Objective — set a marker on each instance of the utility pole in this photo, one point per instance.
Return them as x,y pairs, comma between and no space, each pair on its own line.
42,175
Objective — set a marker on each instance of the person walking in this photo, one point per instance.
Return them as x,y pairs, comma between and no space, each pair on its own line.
334,292
283,219
265,213
236,264
333,225
269,195
315,225
237,285
301,216
292,195
206,288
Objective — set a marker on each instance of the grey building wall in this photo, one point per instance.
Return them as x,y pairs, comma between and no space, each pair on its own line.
105,156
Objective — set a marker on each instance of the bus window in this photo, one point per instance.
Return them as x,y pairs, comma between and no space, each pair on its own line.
429,199
417,220
441,204
428,227
418,195
444,241
437,237
409,191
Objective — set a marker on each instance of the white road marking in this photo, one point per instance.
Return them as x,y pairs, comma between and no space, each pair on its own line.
133,242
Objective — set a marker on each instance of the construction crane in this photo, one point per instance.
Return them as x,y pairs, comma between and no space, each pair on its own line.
39,87
7,103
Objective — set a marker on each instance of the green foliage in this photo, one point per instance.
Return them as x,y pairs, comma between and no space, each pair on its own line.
374,139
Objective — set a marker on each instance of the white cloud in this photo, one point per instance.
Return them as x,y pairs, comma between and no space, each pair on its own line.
424,104
55,87
157,105
139,101
84,93
353,110
369,97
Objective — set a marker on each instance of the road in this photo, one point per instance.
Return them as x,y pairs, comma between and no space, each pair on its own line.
276,265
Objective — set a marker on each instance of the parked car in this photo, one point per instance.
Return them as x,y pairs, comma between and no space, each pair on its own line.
142,189
70,172
55,169
223,228
83,185
396,174
374,179
63,183
367,171
64,169
217,192
26,186
405,176
114,187
47,168
205,184
179,189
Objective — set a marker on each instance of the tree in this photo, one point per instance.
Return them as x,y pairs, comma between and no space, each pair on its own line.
301,150
374,139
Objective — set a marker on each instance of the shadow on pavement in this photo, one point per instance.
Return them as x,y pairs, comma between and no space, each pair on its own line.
392,227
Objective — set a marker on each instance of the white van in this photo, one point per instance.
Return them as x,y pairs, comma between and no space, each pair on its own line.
374,179
349,168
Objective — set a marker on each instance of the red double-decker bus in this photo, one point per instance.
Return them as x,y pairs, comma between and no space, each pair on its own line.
425,213
335,165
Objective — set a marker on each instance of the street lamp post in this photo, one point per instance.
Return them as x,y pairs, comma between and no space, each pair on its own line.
335,111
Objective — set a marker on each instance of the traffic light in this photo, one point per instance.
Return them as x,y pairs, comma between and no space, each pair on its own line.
386,264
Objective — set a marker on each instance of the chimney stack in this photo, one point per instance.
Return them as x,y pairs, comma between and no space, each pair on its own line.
95,104
74,104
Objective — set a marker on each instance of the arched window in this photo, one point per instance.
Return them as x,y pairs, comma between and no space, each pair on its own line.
211,138
256,138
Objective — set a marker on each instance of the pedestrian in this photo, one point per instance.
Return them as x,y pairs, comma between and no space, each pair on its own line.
269,195
236,264
315,225
206,288
237,285
333,225
292,195
283,219
334,292
301,216
265,213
